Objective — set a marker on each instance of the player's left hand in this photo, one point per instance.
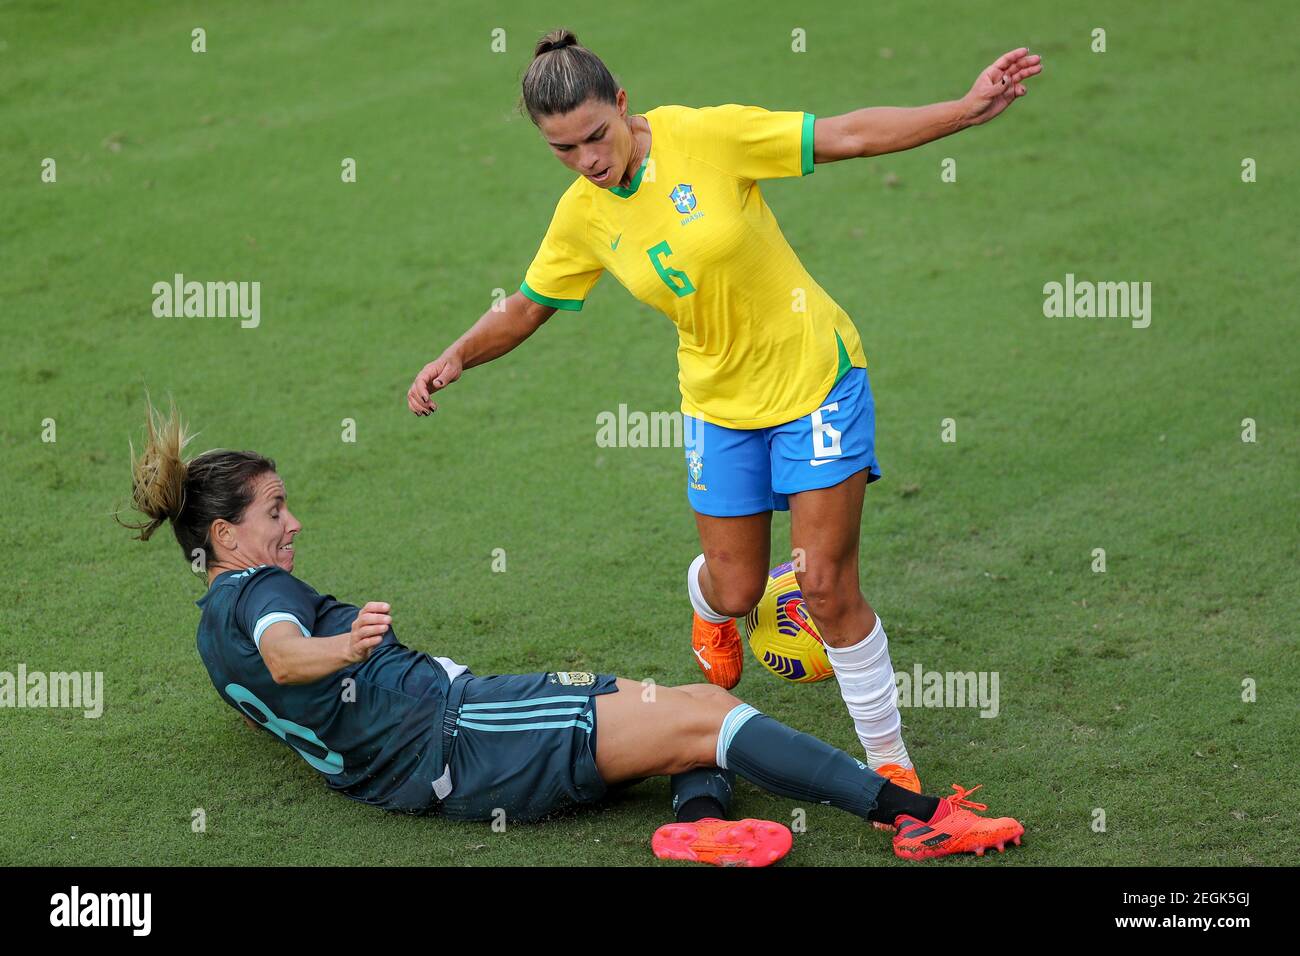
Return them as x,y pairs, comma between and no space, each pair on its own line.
1000,85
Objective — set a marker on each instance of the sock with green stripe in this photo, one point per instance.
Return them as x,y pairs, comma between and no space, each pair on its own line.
792,764
703,792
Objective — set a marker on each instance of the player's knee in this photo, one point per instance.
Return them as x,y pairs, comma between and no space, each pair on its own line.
829,593
737,594
707,690
719,698
724,696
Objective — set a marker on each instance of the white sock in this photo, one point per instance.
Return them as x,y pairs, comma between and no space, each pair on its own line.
697,596
866,679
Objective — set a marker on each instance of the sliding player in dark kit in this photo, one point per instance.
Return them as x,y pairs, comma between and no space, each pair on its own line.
400,729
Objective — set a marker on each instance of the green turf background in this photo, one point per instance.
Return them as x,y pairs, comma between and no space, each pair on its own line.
1119,691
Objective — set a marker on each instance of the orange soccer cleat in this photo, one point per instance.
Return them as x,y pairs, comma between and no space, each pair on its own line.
899,776
718,651
954,829
723,842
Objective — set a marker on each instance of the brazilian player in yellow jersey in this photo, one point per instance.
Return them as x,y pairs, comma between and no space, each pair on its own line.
773,377
692,236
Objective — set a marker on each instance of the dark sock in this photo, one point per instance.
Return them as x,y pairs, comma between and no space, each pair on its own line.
893,800
793,764
784,761
703,792
700,808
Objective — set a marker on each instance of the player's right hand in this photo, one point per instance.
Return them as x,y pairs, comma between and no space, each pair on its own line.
438,374
369,628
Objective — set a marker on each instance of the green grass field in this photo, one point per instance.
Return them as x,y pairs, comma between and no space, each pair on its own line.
1120,691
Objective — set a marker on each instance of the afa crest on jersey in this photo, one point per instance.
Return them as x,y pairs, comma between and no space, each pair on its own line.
573,678
683,197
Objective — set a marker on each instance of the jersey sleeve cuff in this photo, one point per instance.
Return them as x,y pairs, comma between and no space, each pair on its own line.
266,620
806,145
572,305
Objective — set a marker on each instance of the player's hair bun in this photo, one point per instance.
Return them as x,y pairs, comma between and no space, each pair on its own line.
554,85
555,40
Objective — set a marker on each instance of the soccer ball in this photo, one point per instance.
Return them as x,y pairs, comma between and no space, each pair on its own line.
782,634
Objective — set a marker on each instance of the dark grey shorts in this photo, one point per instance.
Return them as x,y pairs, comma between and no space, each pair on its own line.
524,745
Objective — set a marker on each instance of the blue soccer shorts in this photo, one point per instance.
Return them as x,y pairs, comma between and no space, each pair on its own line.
735,471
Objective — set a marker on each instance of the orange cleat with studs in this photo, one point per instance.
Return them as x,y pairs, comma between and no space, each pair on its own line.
723,842
954,829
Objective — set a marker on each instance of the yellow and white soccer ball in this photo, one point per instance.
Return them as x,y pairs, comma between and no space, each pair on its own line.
782,634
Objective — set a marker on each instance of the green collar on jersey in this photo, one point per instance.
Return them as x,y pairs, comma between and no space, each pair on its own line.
636,181
630,191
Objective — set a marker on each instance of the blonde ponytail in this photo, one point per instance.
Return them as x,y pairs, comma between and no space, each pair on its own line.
158,472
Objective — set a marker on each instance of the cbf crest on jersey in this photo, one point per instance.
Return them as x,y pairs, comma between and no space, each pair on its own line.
695,464
683,197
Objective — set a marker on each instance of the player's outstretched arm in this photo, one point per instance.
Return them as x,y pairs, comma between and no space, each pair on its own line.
493,335
877,130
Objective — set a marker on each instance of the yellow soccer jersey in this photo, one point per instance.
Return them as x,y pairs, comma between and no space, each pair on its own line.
760,342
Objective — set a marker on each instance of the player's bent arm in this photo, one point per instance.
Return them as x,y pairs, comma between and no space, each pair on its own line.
294,659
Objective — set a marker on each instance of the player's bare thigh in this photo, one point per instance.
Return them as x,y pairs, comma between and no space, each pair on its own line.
646,730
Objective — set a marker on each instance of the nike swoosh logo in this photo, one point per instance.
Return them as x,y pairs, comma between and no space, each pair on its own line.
821,461
617,240
703,663
794,610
